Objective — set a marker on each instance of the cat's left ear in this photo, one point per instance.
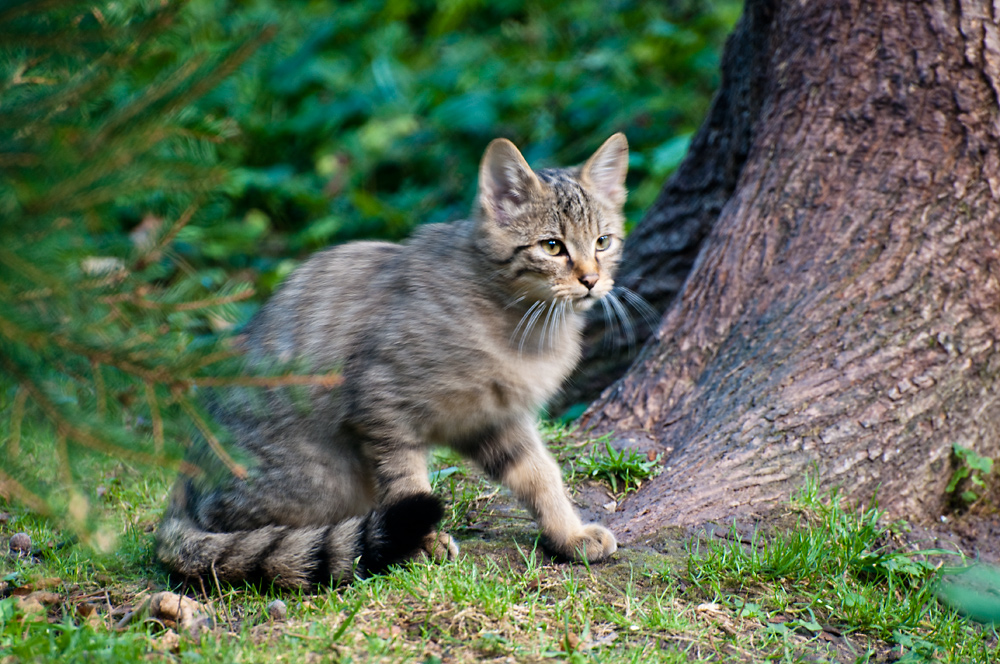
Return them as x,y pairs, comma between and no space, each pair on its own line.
604,173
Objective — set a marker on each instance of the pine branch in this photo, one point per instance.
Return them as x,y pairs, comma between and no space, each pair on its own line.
235,468
17,417
11,488
327,381
154,412
94,328
82,434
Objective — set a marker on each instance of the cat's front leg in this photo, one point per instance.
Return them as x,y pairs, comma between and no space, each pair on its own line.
516,456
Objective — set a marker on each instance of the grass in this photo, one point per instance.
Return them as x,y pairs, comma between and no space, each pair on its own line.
828,582
624,469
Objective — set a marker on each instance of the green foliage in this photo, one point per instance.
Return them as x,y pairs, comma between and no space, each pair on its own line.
840,571
98,349
365,119
29,638
969,476
503,597
973,590
627,467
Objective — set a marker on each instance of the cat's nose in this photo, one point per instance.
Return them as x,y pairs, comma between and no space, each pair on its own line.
589,280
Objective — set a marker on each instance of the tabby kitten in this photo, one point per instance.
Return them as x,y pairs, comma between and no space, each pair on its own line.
456,337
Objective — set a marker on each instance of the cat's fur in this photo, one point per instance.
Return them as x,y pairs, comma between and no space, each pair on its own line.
456,337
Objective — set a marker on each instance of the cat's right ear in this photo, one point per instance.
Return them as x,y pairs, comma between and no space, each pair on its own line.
506,182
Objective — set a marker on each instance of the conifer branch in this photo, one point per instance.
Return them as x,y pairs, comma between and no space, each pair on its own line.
26,6
126,115
153,253
213,301
136,299
81,434
235,468
16,418
328,381
11,488
39,340
100,393
91,133
23,267
154,412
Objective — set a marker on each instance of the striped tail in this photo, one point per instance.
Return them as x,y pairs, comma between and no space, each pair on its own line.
292,557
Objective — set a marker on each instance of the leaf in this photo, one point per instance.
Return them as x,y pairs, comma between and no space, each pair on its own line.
777,628
443,473
669,155
974,591
960,474
810,625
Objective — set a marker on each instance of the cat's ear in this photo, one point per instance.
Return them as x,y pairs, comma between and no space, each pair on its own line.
506,182
604,173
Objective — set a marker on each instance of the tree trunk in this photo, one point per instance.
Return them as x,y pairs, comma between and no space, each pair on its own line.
663,247
841,316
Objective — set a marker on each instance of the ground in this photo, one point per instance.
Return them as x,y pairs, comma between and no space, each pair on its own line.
820,582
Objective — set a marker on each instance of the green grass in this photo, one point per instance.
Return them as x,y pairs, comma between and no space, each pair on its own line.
624,470
826,583
839,570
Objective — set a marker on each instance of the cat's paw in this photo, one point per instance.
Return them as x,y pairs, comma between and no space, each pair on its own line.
592,543
439,547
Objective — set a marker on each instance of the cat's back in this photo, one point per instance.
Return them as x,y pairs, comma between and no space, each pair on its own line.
324,304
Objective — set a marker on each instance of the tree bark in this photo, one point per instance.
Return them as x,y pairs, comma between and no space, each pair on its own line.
662,248
842,314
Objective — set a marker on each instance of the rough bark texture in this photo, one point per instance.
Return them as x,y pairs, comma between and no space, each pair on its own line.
663,247
843,313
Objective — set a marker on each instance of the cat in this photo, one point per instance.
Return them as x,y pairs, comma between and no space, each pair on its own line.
456,337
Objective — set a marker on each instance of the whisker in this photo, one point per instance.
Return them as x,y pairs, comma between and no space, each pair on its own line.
555,323
531,324
545,326
645,309
513,302
523,319
610,337
561,320
616,305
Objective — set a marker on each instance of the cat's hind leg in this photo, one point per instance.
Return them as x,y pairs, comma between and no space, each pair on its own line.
440,547
399,469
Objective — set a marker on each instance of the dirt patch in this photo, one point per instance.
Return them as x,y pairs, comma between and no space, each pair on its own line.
976,535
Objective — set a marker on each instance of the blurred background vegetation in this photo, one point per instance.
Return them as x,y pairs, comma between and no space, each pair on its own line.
163,165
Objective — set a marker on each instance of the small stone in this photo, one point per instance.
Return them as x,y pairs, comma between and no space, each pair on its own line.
277,610
20,545
169,640
180,612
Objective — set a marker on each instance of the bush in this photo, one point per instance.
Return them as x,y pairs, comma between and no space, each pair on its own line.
365,120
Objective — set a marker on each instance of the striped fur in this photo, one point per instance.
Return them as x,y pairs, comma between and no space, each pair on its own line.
290,557
456,337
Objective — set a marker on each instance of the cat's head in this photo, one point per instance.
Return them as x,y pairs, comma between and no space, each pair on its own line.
555,234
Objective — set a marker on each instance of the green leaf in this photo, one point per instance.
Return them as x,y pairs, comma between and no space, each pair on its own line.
975,591
956,477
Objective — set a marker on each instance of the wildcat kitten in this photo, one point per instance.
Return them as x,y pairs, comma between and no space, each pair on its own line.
456,337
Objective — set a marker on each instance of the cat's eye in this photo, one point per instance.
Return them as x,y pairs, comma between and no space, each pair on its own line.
553,247
603,242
